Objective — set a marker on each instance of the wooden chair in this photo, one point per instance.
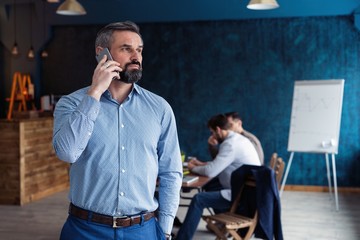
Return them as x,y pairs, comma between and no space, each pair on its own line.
273,160
230,222
278,165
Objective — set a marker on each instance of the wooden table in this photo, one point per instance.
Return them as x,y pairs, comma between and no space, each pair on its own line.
197,185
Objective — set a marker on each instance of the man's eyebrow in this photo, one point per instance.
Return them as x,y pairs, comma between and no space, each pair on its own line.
128,45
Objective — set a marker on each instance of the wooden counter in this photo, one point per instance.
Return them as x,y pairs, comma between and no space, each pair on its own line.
28,165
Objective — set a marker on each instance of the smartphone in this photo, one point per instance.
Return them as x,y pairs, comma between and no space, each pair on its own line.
106,52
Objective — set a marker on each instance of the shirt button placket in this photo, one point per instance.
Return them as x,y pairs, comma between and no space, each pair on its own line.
121,160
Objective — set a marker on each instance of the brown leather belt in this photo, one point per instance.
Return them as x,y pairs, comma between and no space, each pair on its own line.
115,222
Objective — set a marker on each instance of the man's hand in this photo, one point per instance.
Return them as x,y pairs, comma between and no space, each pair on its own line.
193,162
212,141
103,75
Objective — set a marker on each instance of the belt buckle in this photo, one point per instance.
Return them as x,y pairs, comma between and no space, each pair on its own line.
114,221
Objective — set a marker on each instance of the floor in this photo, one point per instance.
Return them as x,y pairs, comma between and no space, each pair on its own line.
305,216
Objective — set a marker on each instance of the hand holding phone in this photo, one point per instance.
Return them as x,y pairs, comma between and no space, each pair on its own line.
106,52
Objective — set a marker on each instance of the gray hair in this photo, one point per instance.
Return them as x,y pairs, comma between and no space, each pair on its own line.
104,36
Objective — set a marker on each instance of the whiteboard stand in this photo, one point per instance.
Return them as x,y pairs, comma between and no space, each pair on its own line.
328,176
335,182
328,171
286,173
315,123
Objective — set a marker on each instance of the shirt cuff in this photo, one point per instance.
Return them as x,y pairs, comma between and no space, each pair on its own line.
166,223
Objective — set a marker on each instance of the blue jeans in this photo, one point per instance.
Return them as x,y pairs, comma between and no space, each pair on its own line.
199,202
78,229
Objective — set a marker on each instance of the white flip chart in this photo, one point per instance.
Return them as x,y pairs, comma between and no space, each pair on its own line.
315,116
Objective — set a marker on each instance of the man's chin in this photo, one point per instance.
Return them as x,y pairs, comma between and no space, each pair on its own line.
128,81
130,77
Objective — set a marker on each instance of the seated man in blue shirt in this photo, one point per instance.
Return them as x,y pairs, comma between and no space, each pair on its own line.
119,139
235,150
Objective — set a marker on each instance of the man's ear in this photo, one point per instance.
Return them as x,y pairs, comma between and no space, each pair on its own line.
218,129
98,49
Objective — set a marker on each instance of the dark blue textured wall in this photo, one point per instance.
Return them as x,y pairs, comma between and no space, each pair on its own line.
204,68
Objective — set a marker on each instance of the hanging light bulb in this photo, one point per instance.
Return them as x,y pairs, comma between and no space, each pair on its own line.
15,50
44,53
31,53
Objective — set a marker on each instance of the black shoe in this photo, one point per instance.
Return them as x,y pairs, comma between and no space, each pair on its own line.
177,222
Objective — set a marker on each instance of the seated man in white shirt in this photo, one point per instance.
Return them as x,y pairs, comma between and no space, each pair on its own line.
236,126
235,150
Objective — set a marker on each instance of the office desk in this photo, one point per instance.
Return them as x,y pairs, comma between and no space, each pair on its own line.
197,185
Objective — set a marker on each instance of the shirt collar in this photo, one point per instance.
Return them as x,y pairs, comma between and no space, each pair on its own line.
135,88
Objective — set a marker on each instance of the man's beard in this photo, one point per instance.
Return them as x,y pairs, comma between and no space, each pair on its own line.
219,139
131,76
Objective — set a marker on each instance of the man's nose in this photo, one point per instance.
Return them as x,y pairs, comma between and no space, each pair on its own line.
135,56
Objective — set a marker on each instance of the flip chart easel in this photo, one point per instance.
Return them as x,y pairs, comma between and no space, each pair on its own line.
327,172
315,123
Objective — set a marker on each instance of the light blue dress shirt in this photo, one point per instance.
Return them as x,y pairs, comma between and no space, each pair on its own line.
118,151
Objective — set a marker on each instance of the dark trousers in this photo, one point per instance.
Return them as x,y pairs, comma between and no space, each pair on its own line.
213,186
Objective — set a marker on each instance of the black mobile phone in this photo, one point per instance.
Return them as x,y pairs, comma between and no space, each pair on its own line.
106,52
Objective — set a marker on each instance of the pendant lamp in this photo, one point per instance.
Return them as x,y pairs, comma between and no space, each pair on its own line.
44,53
262,4
71,7
15,50
31,53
